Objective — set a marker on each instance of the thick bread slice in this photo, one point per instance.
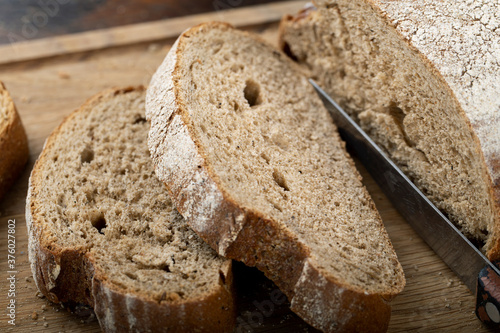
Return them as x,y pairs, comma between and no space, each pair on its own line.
422,78
103,231
13,142
254,163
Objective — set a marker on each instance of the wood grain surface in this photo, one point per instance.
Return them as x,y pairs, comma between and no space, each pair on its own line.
47,90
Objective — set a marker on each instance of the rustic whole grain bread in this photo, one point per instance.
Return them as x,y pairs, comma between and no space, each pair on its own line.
103,231
254,163
422,78
13,142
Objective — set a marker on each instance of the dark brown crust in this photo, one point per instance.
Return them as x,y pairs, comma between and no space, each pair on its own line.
13,145
246,235
211,314
493,184
68,276
357,309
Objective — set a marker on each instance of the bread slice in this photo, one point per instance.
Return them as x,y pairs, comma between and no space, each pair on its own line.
13,142
254,163
103,231
424,84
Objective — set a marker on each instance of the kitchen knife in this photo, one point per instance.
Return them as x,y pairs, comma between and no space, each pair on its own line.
469,264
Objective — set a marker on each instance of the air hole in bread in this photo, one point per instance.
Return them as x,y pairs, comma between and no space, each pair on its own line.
237,67
217,46
288,51
276,206
252,93
60,200
280,180
265,157
398,116
140,120
99,222
397,113
222,277
341,73
87,155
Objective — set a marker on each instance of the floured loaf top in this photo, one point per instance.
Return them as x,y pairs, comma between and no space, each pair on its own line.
421,77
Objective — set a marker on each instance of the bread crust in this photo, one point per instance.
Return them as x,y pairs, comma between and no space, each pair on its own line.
56,271
244,234
480,114
480,125
13,145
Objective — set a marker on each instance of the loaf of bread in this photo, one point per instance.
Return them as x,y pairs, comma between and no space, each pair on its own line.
422,78
254,163
13,142
103,231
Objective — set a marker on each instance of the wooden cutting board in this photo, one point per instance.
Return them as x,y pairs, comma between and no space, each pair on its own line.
50,78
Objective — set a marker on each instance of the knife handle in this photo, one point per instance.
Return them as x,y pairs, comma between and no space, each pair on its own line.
488,295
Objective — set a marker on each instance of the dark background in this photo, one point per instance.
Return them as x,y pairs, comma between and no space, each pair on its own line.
22,20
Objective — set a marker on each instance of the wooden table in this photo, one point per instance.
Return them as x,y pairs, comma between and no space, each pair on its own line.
50,78
34,19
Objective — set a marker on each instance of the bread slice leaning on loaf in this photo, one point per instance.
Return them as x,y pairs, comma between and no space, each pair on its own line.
254,163
103,231
422,78
13,142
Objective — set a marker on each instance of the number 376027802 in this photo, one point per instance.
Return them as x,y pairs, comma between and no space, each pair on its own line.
11,244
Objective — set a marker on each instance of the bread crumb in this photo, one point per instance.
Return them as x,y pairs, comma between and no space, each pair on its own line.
34,315
63,75
153,47
45,325
44,307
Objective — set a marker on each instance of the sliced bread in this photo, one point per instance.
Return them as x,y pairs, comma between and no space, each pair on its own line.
254,163
13,142
103,231
422,78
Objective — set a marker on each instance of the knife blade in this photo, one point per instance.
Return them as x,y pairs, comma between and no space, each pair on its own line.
467,262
